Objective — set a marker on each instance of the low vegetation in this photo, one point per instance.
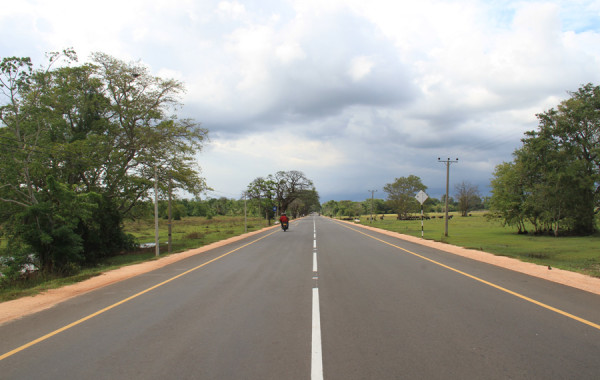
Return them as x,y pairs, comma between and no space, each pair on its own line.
192,232
574,253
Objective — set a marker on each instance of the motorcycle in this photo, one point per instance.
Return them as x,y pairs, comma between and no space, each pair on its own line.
284,226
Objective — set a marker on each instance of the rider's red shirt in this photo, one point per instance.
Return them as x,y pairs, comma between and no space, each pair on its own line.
283,219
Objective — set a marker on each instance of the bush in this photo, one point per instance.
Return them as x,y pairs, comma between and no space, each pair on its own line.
16,266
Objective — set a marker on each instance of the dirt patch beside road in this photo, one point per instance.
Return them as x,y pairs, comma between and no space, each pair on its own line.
11,310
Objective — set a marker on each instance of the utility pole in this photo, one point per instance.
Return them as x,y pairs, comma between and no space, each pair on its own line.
170,219
372,193
157,248
245,217
448,162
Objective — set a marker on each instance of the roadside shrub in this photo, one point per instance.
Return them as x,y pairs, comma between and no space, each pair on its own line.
16,265
195,235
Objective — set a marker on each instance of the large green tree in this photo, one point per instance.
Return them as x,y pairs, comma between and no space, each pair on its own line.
261,192
289,186
401,194
284,188
100,128
145,134
554,180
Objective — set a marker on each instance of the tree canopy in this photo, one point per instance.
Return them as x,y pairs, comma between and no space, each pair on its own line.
290,191
82,139
401,194
554,180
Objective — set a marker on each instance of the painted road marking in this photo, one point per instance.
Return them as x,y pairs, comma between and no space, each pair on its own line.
316,367
316,361
80,321
521,296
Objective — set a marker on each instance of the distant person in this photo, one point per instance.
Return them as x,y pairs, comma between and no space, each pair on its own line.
283,218
284,221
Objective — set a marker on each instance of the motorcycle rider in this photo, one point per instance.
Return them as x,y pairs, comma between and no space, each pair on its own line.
283,219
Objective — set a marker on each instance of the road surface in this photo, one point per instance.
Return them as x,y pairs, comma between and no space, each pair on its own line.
323,300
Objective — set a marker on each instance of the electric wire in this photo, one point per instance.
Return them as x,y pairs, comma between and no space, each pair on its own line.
497,140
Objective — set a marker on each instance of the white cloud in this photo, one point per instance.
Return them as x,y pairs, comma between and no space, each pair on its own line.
289,52
360,67
283,148
353,92
231,9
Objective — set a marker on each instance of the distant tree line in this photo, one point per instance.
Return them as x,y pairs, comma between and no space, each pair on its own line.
553,183
212,207
402,202
81,145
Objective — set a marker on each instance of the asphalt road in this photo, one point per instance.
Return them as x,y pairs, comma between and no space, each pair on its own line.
323,300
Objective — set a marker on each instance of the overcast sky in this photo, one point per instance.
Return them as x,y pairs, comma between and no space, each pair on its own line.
352,93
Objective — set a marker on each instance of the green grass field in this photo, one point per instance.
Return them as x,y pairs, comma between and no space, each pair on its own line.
579,254
192,232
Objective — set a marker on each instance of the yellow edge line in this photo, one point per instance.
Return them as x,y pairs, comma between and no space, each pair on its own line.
545,306
64,328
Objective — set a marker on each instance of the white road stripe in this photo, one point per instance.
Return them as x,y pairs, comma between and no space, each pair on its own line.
316,362
316,370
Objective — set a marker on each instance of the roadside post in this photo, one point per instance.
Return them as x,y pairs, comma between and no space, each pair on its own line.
421,197
156,242
447,162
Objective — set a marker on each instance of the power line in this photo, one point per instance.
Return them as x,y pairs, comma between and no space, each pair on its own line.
499,139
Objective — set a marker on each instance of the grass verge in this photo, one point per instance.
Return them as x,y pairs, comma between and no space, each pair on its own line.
574,253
